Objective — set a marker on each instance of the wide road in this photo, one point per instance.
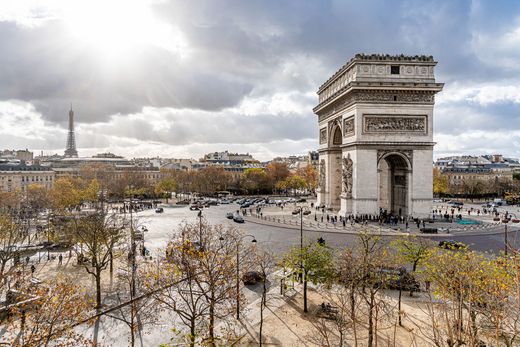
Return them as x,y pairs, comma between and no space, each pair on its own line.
162,227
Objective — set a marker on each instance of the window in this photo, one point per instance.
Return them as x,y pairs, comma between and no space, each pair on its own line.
394,69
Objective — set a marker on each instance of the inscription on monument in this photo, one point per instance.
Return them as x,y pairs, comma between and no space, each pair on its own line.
384,124
348,126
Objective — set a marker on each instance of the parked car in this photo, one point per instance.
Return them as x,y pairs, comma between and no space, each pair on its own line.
229,215
252,277
238,218
159,210
452,244
195,207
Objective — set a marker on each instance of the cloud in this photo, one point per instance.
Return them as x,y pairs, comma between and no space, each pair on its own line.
236,74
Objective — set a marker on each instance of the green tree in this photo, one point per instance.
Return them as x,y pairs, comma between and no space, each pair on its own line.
440,182
65,194
295,182
255,180
165,187
412,249
313,261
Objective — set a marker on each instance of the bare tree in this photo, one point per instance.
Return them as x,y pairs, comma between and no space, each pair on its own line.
132,283
12,235
47,312
97,235
184,298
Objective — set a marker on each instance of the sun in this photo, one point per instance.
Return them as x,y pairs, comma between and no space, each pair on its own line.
119,27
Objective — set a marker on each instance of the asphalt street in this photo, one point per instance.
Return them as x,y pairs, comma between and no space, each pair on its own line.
278,239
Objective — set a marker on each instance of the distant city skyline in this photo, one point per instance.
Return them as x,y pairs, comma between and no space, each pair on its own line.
180,79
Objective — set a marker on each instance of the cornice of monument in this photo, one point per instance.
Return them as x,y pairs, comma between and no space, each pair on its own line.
379,94
378,58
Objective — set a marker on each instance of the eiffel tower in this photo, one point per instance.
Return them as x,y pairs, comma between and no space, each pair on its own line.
71,141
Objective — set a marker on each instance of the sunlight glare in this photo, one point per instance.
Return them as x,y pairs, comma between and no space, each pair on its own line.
119,27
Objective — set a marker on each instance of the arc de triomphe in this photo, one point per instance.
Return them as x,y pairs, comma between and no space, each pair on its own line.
375,118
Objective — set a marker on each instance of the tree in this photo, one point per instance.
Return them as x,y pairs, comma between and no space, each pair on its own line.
184,298
45,317
37,197
314,262
207,255
265,263
217,263
10,200
412,249
255,180
97,235
454,276
370,259
277,172
132,283
295,183
165,187
440,182
310,176
11,235
65,194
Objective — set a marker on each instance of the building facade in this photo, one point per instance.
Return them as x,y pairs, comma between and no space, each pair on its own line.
18,176
375,117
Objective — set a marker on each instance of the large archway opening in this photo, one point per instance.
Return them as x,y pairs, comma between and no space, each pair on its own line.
393,171
335,168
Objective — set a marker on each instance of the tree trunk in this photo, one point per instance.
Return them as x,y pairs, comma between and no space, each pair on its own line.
192,332
305,295
353,314
371,320
98,288
211,326
261,319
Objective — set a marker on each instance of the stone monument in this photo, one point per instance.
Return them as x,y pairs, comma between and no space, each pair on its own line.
375,117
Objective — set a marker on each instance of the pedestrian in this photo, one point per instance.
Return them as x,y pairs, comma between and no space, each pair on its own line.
33,268
60,259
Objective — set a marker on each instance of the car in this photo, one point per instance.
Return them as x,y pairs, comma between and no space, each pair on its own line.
456,203
195,207
238,218
229,215
252,277
452,244
159,210
224,202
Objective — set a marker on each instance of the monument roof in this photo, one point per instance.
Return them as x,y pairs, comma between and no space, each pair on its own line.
361,57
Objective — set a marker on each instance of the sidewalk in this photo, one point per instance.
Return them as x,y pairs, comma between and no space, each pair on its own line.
283,218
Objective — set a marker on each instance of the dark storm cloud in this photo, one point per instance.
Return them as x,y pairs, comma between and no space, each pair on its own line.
242,52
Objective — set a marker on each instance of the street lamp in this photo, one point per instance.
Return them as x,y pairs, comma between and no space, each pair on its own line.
300,210
200,227
505,220
238,269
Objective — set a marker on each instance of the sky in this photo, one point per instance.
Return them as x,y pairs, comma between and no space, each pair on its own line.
182,78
